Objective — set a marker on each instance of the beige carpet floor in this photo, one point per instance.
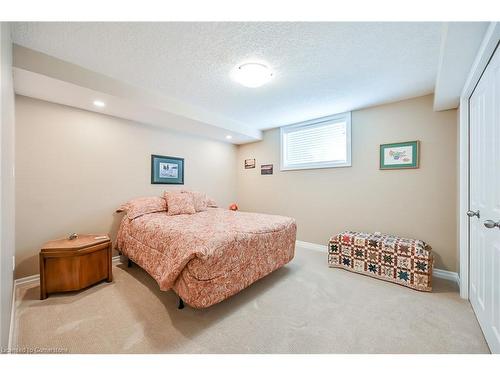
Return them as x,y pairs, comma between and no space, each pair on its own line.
304,307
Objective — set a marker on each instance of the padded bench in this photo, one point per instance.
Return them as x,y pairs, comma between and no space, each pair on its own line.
399,260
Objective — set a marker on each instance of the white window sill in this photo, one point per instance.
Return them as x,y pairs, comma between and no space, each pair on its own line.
299,168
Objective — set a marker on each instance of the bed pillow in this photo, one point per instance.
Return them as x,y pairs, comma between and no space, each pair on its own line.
211,202
179,203
142,206
199,199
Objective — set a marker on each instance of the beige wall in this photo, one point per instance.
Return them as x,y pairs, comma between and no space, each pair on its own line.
418,203
75,167
7,181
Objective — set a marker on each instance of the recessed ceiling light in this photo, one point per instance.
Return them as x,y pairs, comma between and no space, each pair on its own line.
229,137
99,103
252,74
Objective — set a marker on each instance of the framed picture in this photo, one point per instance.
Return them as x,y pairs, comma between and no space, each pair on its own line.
167,170
266,169
249,163
400,155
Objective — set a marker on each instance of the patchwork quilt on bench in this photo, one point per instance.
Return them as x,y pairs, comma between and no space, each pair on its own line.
399,260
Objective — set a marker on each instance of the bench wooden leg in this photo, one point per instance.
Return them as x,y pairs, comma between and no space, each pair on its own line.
181,304
43,289
129,263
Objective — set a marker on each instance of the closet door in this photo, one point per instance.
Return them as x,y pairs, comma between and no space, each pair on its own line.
484,203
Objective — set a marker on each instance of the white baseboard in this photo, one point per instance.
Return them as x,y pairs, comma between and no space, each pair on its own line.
27,280
17,283
447,275
312,246
12,318
436,272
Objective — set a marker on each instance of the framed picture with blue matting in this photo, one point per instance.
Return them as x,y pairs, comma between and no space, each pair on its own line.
401,155
167,170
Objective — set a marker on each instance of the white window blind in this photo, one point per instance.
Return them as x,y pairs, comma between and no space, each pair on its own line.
322,143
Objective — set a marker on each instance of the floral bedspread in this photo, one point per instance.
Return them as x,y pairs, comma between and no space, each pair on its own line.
208,256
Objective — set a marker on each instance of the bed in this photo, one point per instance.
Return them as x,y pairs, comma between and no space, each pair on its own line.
208,256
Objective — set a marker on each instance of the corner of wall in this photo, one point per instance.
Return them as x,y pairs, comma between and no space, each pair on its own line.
7,203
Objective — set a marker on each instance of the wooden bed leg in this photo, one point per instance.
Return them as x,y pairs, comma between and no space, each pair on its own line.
181,304
129,263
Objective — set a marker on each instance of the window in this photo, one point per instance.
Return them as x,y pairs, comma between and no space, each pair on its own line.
321,143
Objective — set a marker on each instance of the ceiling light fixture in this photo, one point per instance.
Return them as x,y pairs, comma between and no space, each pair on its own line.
99,103
229,137
252,74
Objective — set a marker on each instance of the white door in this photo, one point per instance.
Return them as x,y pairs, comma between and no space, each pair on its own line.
484,202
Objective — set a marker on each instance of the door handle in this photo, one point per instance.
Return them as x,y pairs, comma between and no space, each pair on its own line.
492,224
471,213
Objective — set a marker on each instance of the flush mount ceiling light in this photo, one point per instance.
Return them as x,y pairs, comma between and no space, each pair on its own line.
252,74
229,137
99,103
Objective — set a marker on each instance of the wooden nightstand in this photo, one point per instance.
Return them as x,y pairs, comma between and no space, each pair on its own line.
69,265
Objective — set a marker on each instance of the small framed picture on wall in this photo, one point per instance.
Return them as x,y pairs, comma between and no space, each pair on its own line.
249,163
167,170
266,169
401,155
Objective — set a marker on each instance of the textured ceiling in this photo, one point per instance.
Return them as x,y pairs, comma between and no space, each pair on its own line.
320,68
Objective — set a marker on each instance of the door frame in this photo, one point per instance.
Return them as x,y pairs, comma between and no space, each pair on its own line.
485,52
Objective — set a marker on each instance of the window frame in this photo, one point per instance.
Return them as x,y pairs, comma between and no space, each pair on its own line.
340,117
